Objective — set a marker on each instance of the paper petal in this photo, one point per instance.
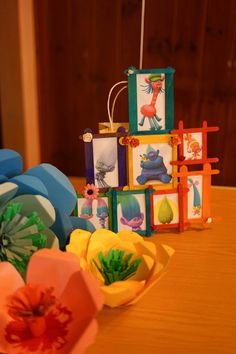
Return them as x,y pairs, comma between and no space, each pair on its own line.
7,192
164,254
86,339
51,266
3,179
29,185
39,204
80,223
79,242
82,295
61,193
10,281
10,163
62,227
52,240
122,292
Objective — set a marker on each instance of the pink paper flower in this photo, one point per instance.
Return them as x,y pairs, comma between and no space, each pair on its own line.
90,191
53,312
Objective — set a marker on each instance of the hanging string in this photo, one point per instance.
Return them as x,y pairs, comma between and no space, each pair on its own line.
142,35
114,101
110,115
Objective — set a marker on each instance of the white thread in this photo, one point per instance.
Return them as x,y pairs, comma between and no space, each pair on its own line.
114,101
142,35
108,102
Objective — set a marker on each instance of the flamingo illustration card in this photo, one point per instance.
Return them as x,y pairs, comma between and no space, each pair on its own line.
105,159
151,100
149,162
131,211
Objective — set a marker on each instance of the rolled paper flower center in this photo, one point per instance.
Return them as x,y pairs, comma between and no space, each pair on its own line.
20,235
31,304
116,265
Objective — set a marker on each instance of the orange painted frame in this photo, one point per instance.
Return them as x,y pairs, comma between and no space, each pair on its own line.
183,174
181,225
204,130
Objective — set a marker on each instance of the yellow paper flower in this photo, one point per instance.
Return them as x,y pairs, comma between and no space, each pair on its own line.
125,264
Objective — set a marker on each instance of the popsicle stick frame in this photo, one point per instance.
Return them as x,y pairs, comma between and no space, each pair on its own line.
193,145
98,210
167,209
105,159
196,203
149,162
131,211
151,100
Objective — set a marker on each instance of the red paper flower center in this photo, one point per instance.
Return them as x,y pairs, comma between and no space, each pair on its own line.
39,320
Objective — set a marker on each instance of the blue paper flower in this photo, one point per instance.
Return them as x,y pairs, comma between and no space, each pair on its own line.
49,182
24,225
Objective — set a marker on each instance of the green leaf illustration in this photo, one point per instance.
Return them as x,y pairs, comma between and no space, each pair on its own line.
165,213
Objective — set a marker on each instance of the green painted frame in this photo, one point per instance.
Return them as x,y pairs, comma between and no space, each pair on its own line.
132,73
146,192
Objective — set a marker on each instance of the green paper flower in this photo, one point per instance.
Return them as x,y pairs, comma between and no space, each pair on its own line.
24,223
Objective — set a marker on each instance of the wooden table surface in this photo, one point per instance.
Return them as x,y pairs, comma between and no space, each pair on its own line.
192,309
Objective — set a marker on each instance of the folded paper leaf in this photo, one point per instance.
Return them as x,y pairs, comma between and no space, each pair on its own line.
10,164
125,264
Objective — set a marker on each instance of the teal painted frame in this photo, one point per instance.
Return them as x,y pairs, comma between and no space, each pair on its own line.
169,99
100,195
147,192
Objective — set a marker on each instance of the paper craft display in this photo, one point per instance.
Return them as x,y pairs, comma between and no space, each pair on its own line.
149,163
125,264
145,169
193,145
131,211
150,100
105,159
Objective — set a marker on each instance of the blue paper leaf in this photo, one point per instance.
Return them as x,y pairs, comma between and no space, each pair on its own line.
29,185
80,223
62,227
10,163
61,193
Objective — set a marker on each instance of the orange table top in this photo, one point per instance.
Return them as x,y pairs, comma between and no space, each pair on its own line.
192,309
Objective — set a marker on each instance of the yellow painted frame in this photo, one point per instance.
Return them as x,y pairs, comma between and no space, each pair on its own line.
152,139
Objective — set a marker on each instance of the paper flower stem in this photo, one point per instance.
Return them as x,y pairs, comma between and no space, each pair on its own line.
116,266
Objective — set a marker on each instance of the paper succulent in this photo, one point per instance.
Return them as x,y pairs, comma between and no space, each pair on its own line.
52,311
24,225
124,263
47,181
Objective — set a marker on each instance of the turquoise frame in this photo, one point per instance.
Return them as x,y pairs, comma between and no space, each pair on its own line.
147,192
169,99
